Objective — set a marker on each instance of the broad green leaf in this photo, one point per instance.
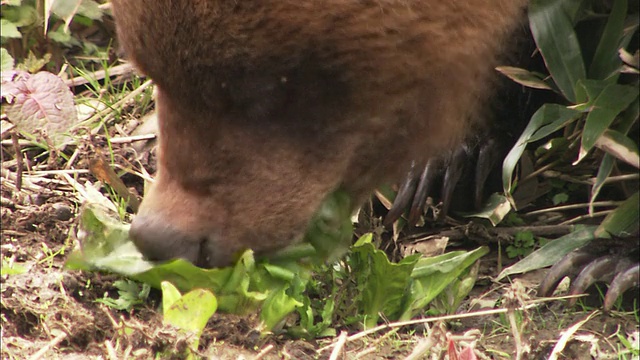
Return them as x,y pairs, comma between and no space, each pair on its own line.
547,114
551,252
449,300
432,275
170,294
383,282
606,60
612,101
623,221
9,29
276,306
191,312
6,60
552,29
275,287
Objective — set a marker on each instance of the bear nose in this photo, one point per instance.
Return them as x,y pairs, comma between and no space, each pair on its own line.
157,239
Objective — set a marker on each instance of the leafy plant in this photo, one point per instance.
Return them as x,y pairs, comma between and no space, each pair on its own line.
10,267
130,294
39,105
189,312
523,243
371,285
29,26
590,67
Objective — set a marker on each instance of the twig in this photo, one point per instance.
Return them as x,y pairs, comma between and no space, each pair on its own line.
263,352
572,206
434,319
130,139
111,352
493,234
6,130
587,216
19,161
108,112
374,345
47,347
562,342
123,69
342,339
421,349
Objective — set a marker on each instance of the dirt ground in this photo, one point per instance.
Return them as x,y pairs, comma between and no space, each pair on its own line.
48,312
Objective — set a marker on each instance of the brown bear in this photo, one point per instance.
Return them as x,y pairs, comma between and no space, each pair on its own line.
267,106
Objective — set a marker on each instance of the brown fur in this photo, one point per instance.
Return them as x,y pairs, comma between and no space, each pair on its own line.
266,106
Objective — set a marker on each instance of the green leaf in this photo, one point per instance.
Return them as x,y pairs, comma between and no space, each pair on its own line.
170,294
620,146
449,300
278,305
191,312
551,252
606,166
548,114
383,283
9,267
9,29
6,60
274,287
552,29
494,210
606,60
331,230
623,221
432,275
524,77
610,102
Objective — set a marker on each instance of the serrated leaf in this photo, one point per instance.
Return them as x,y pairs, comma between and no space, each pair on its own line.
331,229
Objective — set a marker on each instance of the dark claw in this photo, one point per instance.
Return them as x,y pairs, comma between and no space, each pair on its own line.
449,170
612,261
569,266
403,198
621,283
488,157
602,269
454,171
427,180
